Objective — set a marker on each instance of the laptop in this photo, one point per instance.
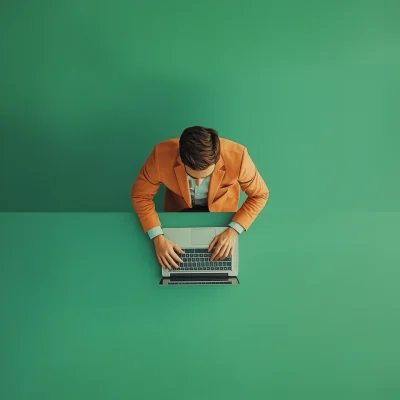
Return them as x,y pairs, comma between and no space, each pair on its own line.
197,269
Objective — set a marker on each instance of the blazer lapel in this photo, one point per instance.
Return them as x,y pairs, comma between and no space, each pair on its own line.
216,179
183,181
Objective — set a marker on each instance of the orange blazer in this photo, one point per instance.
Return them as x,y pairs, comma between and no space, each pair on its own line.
234,171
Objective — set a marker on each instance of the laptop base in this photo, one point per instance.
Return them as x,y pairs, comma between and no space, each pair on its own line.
199,279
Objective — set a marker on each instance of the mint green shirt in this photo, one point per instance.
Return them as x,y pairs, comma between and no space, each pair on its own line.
199,196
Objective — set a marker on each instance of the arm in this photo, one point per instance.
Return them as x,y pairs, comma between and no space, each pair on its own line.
257,191
143,191
254,186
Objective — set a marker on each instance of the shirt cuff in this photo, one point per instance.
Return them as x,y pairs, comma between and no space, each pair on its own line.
155,232
237,227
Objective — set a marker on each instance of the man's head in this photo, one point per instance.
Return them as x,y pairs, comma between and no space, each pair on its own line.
199,149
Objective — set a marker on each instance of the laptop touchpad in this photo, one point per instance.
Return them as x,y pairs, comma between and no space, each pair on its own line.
203,236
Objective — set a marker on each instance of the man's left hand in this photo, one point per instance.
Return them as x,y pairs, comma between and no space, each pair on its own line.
223,244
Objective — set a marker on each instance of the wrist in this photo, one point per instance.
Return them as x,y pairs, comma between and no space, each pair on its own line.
158,238
233,230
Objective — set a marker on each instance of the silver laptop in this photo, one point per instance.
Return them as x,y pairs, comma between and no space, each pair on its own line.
197,269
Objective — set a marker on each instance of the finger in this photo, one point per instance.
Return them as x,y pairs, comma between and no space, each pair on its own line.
217,250
165,262
171,261
230,253
222,252
226,252
212,244
216,253
175,257
176,247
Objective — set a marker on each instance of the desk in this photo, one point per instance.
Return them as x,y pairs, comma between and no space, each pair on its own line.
316,315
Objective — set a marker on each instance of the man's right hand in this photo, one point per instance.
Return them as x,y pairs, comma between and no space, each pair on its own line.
166,251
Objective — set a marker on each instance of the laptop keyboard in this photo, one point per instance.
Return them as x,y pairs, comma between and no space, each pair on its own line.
199,260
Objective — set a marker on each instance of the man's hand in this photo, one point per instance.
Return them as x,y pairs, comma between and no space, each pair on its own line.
166,251
223,244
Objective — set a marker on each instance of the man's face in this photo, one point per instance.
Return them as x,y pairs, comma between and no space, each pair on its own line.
199,176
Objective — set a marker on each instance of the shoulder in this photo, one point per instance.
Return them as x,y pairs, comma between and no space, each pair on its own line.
168,148
231,151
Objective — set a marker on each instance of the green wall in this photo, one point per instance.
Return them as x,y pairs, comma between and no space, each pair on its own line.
89,87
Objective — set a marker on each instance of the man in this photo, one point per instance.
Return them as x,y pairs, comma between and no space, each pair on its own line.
202,172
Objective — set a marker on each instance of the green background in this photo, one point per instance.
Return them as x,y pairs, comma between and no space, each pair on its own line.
88,88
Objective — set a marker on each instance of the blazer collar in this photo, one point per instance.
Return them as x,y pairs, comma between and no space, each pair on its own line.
183,181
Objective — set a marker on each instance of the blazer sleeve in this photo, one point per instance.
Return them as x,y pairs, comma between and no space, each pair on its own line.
256,189
143,191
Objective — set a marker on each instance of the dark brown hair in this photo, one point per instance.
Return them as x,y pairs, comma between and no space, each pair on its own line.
199,147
